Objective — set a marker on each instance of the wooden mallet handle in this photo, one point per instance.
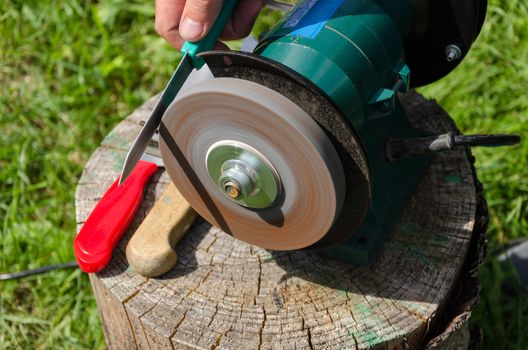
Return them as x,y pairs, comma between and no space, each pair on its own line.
150,251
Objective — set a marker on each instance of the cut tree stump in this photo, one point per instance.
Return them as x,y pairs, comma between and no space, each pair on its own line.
223,293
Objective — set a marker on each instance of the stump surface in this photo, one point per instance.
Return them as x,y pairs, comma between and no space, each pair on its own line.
224,293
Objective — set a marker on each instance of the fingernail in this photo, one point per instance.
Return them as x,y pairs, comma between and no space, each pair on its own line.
191,29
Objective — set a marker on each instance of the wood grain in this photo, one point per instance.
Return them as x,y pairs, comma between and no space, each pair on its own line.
224,293
150,251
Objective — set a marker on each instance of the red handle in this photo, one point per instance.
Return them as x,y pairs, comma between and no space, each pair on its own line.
110,218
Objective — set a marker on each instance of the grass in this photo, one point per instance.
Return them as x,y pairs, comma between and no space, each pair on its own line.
489,94
70,70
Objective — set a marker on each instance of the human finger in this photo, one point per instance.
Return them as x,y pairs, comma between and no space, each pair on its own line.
243,19
167,21
198,17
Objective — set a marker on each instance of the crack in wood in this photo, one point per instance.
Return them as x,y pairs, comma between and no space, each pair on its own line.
261,330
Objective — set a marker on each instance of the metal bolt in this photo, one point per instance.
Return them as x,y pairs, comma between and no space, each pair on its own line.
453,53
242,174
232,189
236,182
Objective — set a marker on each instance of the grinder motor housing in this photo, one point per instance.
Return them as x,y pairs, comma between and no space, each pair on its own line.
343,62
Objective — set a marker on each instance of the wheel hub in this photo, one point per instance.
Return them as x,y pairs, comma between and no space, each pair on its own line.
243,174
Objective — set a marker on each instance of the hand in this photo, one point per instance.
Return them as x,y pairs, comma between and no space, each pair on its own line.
181,20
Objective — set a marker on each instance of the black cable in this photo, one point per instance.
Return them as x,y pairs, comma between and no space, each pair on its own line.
43,269
493,140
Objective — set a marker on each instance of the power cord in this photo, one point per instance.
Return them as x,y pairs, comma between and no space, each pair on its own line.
37,271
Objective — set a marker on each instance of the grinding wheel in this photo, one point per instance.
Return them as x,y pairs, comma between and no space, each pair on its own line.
305,94
290,183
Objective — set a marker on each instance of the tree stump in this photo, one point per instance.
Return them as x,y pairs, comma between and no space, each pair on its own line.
224,293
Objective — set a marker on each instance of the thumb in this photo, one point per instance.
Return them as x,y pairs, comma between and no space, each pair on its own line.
198,17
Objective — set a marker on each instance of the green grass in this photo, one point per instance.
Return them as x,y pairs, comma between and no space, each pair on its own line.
488,93
70,70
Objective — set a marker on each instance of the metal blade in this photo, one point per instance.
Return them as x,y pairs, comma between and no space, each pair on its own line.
279,5
140,144
249,44
149,157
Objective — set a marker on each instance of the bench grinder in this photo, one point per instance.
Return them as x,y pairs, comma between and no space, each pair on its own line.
303,143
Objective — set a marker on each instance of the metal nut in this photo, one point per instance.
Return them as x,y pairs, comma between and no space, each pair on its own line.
453,53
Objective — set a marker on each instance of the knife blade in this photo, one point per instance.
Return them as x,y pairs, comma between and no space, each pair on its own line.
171,90
188,62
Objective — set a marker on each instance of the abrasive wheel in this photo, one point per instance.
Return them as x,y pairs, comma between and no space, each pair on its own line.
253,163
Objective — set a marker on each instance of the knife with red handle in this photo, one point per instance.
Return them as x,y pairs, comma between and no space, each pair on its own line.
110,218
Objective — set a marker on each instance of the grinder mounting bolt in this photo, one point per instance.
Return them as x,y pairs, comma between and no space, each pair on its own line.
235,180
453,53
232,189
